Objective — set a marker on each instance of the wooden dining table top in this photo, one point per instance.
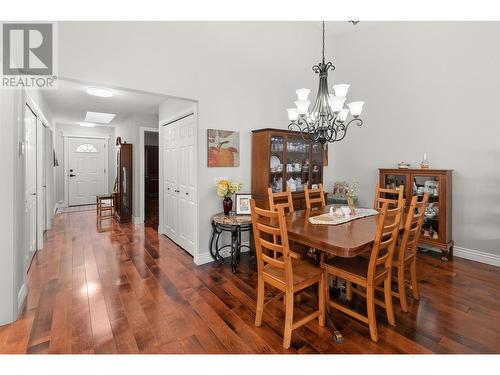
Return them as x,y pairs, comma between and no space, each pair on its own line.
345,240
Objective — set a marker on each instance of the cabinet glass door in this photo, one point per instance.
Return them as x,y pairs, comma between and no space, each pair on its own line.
276,178
393,181
297,164
317,162
429,184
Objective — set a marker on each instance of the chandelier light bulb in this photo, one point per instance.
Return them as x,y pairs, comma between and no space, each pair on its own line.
336,103
355,108
302,106
302,94
343,114
341,89
293,114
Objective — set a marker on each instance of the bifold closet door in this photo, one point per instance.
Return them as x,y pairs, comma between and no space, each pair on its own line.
179,176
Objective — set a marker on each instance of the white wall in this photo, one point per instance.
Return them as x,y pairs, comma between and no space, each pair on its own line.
72,129
13,286
428,86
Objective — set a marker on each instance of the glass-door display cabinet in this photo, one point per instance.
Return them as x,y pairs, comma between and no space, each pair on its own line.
281,159
436,230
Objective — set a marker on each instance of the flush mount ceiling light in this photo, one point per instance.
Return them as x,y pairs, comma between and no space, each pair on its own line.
327,120
99,117
99,91
87,124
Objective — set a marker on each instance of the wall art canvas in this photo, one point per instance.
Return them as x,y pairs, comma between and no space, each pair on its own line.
223,148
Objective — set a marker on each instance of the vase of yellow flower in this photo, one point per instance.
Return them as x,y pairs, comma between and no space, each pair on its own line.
226,189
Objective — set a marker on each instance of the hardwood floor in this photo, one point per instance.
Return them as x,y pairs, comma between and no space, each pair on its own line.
129,290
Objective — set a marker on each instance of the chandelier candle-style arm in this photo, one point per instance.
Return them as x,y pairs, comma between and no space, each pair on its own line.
327,119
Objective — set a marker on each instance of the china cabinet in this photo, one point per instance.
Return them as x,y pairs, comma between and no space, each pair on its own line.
436,230
281,159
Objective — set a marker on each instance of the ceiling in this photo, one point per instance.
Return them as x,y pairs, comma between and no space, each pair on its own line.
69,103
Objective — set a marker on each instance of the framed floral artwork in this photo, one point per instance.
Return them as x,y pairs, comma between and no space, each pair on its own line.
223,147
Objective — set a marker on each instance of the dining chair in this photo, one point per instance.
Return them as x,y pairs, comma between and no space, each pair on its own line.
381,196
370,272
285,273
406,254
297,250
315,197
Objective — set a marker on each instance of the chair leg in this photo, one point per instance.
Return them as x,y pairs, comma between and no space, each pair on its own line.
260,302
323,289
287,336
402,288
414,281
389,309
370,307
348,290
327,292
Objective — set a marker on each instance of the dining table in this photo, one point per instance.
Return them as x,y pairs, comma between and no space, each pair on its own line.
346,240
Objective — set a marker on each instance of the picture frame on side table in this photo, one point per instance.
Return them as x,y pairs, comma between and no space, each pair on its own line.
243,204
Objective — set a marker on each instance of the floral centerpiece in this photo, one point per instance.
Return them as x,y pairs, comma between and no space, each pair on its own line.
226,189
344,189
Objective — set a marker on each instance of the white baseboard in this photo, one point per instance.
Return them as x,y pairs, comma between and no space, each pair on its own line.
207,258
475,255
137,220
21,296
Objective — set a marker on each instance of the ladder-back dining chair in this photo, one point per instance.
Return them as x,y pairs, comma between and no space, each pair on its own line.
285,273
406,254
370,272
297,250
394,197
315,198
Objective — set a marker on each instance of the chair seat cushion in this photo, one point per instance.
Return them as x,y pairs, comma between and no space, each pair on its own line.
302,271
357,266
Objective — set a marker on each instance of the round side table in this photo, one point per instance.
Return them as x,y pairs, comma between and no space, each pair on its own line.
229,223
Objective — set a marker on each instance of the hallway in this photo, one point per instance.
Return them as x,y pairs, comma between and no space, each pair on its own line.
129,290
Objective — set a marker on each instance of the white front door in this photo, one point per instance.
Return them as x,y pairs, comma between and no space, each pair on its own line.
87,172
179,176
30,125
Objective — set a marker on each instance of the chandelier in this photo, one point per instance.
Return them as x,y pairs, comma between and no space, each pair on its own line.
327,120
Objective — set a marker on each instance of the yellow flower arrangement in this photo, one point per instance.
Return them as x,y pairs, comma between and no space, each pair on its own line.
226,188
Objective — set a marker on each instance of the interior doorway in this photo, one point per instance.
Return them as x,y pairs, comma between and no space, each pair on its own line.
151,178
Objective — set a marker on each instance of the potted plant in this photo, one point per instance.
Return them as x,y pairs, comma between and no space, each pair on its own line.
226,189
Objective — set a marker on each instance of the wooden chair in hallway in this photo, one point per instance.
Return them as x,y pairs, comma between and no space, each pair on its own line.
406,254
383,195
368,273
105,208
284,199
315,198
285,273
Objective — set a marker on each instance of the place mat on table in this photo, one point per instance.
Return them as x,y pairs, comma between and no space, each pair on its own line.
334,220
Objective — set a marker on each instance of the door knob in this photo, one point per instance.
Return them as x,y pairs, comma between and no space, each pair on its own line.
177,190
72,175
33,193
187,193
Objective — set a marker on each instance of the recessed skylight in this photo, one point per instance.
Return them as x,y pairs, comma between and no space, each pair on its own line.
99,91
87,124
99,117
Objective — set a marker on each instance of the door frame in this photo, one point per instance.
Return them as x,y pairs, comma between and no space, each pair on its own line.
142,188
66,161
165,122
